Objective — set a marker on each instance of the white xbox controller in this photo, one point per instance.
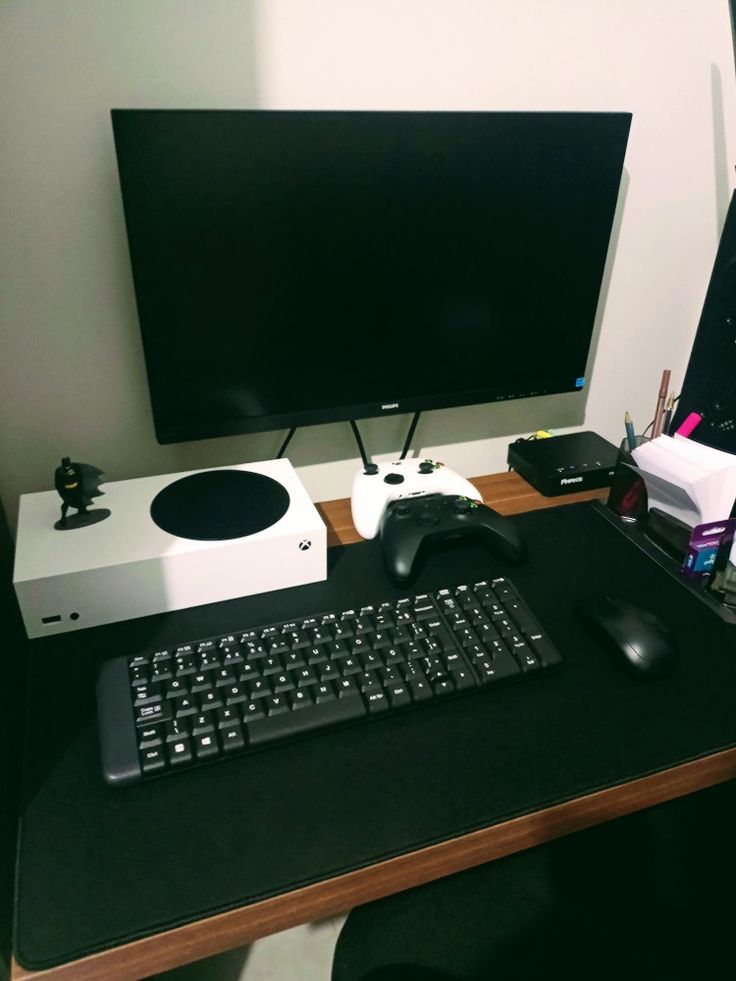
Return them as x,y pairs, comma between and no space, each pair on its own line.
375,487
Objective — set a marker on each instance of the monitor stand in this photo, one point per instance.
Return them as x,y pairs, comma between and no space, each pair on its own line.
216,505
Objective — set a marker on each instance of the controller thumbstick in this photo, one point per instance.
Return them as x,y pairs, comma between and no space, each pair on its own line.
461,505
401,508
371,469
426,466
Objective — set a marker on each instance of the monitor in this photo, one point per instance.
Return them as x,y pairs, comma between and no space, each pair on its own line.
302,267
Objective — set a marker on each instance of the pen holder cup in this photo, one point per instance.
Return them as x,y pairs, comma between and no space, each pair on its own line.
628,494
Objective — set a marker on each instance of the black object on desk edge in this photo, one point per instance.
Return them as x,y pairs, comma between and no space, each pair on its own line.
635,534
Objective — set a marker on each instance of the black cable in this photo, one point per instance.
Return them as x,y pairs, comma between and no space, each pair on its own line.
359,441
286,443
410,435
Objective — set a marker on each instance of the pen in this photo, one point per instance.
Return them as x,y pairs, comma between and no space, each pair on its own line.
630,434
659,412
668,414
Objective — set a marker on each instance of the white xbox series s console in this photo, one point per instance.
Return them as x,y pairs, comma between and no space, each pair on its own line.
170,542
378,484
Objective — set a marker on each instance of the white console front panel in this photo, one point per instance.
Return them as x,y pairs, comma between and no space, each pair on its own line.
126,566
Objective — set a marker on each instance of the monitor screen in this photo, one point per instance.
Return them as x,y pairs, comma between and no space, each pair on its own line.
299,267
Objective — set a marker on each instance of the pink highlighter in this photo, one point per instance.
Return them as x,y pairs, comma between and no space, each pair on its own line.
689,425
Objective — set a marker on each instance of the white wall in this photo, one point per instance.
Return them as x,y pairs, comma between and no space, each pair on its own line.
72,378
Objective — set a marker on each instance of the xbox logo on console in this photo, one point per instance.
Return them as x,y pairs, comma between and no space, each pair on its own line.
304,544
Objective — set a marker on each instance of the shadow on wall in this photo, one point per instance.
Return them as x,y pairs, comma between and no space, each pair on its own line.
723,168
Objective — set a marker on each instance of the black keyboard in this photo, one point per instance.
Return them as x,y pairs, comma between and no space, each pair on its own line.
203,700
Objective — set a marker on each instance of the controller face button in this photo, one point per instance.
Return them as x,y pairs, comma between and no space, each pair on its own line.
393,478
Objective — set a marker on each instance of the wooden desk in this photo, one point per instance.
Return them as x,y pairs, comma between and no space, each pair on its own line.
509,494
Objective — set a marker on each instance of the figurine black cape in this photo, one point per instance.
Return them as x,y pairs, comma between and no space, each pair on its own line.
78,484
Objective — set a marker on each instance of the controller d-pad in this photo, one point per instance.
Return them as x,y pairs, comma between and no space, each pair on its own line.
393,478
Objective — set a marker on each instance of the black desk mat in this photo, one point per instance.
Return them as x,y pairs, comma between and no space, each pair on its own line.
100,866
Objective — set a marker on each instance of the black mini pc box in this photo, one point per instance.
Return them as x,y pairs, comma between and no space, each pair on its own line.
564,464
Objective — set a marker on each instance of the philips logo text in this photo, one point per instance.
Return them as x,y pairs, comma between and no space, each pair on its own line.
571,480
390,405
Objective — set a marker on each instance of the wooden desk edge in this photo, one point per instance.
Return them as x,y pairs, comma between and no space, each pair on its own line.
507,493
226,931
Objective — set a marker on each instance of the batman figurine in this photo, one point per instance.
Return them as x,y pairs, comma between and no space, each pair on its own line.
77,484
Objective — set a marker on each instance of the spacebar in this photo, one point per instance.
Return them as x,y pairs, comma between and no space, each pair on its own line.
306,719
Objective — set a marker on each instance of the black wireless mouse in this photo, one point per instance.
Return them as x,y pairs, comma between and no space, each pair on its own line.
634,636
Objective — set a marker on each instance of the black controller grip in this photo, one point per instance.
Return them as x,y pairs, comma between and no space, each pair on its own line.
407,527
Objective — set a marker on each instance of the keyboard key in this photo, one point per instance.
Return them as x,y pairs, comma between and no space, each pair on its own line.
200,682
313,717
232,658
462,677
175,730
179,752
185,706
306,677
149,737
209,700
203,724
276,705
148,714
499,669
224,677
324,693
226,717
234,695
294,660
152,760
205,747
420,689
316,655
346,687
175,688
399,696
184,665
282,683
377,701
368,682
138,675
147,695
545,650
260,688
299,699
523,654
233,740
254,710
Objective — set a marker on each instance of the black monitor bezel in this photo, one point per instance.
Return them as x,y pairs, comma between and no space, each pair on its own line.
391,402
